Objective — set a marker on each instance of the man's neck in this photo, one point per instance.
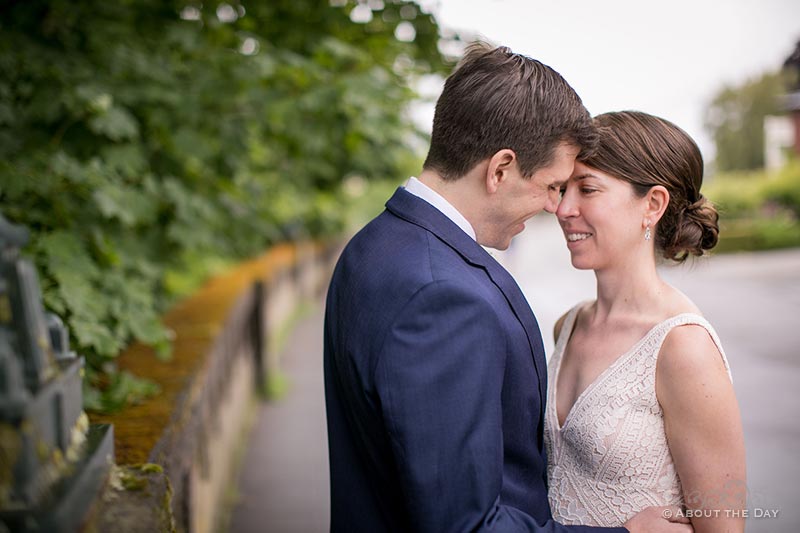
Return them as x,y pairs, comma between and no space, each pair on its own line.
457,192
423,191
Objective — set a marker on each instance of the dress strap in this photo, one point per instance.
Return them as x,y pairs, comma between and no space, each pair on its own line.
567,327
694,319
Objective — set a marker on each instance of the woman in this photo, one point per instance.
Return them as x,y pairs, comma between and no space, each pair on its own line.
640,410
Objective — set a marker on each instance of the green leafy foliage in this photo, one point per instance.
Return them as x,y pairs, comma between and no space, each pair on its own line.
147,142
758,210
784,189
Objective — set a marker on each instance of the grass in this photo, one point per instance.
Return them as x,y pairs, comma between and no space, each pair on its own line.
277,383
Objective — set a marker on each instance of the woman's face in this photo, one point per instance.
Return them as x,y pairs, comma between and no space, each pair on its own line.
602,218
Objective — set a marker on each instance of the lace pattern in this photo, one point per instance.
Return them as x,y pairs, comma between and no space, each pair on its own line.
610,459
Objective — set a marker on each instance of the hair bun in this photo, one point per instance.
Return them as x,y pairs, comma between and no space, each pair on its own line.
696,206
696,231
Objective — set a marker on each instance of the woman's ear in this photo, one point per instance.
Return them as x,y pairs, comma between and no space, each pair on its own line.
657,200
500,165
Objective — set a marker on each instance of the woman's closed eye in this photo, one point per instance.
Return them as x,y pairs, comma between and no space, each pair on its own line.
583,190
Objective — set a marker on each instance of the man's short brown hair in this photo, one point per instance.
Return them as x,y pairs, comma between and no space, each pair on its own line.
496,99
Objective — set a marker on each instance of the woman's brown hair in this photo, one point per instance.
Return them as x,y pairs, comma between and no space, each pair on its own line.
646,151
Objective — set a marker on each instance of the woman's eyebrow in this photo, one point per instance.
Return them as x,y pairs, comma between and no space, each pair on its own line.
584,176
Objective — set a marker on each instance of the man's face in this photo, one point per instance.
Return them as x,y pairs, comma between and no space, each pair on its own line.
518,199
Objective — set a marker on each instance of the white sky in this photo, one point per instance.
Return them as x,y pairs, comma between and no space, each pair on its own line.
668,58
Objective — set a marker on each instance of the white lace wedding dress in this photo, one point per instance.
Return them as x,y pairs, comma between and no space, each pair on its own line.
610,460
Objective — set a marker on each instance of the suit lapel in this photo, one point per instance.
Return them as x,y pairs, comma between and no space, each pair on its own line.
419,212
524,314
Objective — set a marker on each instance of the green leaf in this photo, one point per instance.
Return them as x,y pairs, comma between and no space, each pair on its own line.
13,182
124,203
124,389
115,123
63,164
127,159
65,254
96,336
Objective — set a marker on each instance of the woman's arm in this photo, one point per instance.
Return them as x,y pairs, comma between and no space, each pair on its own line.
704,428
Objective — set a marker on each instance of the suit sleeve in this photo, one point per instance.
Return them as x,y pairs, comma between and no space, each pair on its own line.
439,378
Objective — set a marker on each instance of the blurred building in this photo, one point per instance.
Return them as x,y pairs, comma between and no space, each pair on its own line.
779,139
782,133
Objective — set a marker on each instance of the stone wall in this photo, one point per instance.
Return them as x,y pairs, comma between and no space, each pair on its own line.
221,359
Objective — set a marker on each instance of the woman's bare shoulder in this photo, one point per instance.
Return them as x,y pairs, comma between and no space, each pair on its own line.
560,322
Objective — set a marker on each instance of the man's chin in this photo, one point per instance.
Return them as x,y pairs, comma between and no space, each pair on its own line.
495,245
501,246
503,242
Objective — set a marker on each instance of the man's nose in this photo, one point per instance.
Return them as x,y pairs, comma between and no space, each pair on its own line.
552,201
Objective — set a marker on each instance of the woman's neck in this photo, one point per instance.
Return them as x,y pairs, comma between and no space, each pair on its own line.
634,290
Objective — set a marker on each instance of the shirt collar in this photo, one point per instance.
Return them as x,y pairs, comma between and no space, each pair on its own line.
420,190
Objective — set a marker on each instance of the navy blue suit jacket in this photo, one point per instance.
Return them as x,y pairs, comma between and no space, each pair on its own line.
435,381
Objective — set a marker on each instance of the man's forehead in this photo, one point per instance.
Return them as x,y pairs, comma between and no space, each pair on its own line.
557,180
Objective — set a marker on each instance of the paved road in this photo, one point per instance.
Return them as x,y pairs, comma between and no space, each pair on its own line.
753,300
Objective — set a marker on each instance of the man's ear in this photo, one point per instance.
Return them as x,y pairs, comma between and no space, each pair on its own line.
657,200
499,168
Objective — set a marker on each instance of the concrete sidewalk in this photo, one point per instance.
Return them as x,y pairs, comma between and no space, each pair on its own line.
283,483
753,300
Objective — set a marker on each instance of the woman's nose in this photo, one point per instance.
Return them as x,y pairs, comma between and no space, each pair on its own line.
566,207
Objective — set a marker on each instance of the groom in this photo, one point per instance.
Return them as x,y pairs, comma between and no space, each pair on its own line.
435,373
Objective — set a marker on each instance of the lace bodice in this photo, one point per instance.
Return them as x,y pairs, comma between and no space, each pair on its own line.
610,460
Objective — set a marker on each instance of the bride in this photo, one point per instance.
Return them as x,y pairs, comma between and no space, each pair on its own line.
640,410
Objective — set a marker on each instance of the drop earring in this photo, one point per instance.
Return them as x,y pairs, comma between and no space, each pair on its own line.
647,232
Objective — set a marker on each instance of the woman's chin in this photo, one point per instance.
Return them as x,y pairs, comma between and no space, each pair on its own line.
580,263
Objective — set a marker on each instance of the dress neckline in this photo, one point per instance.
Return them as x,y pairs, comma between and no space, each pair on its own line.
566,333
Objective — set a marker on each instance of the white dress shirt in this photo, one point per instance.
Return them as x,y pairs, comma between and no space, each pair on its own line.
420,190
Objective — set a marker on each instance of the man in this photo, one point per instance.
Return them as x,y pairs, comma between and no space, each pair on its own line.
434,365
